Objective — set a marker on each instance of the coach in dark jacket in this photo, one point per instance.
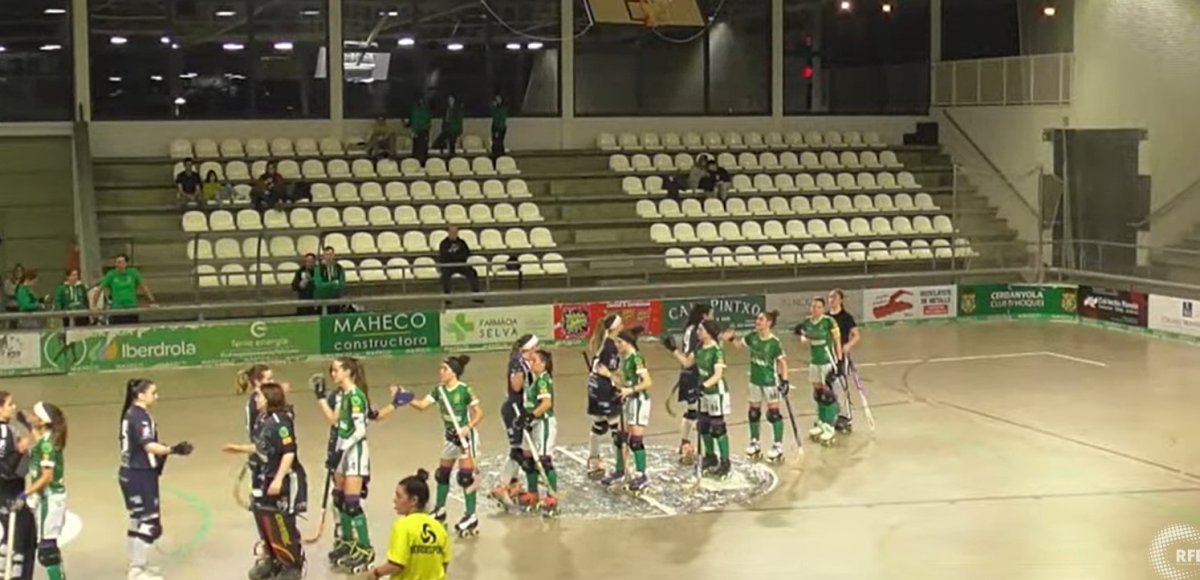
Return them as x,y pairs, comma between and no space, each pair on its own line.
452,255
302,284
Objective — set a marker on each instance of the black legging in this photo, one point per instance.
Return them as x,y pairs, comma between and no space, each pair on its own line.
465,271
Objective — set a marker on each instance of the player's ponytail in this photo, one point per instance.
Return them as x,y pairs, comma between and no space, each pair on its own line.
458,364
772,316
697,313
598,335
417,487
711,328
133,388
57,422
246,378
630,335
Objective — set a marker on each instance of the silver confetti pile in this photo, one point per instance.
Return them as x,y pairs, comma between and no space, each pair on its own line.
673,487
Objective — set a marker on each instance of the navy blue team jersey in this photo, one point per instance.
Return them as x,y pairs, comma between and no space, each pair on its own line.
517,364
138,429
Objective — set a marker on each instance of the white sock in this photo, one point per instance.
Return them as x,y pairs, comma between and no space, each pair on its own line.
594,443
139,553
687,429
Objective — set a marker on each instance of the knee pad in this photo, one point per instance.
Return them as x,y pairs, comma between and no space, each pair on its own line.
755,414
636,443
442,475
600,428
774,416
826,397
691,414
547,463
48,553
817,395
704,425
718,428
339,500
148,530
516,454
619,438
353,505
466,477
527,464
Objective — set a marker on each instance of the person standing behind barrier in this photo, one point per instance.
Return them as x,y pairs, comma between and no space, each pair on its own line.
122,284
329,280
72,295
499,125
452,127
302,284
419,122
10,287
28,301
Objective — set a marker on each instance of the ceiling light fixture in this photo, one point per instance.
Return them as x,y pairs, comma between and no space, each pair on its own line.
180,101
887,7
55,11
1049,10
165,40
233,46
454,46
845,6
225,13
118,40
406,41
114,79
284,45
534,46
50,47
156,78
513,46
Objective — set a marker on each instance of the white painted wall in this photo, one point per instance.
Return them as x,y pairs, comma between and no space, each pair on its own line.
1137,65
1011,137
152,138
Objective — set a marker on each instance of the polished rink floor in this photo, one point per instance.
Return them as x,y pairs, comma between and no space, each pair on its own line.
1008,450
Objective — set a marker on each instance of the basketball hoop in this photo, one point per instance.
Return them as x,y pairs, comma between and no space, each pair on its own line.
649,12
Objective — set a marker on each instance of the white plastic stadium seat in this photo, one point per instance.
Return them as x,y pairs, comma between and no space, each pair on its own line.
774,140
195,221
480,214
282,147
412,167
641,163
506,165
257,148
355,216
181,149
741,182
227,249
491,239
707,232
661,234
232,148
421,190
248,219
606,142
482,166
870,160
445,189
307,147
431,215
619,163
505,213
693,142
541,238
730,232
924,202
460,167
331,146
206,149
889,160
672,142
733,140
796,230
628,142
456,214
518,188
663,162
684,232
436,167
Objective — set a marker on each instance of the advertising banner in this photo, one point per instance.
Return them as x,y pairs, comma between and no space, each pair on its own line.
371,333
1118,306
1020,300
21,354
909,303
1174,315
737,312
495,327
575,322
793,306
115,347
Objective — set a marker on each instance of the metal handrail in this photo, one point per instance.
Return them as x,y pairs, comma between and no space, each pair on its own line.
1012,188
1166,208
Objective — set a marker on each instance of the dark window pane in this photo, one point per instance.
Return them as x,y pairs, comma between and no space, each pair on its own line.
739,57
397,51
36,80
187,60
863,61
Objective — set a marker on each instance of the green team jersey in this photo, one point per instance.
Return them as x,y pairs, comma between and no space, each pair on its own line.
44,455
632,369
543,388
764,352
708,358
352,413
821,334
460,397
122,287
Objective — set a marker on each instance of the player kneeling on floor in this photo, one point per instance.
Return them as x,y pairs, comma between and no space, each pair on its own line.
768,366
541,429
279,489
419,548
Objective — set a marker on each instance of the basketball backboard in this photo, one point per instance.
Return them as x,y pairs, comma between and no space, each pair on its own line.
647,12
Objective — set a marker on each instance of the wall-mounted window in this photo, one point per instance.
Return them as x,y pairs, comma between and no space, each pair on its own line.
36,78
398,51
192,60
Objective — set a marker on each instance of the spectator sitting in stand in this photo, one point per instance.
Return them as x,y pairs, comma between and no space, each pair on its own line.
28,301
187,182
269,189
452,127
72,295
302,284
217,191
717,181
698,171
381,142
329,280
452,255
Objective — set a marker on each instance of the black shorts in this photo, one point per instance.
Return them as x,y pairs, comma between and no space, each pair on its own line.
689,385
139,487
509,413
603,406
292,498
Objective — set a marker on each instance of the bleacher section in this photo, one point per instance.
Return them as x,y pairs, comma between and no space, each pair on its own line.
815,200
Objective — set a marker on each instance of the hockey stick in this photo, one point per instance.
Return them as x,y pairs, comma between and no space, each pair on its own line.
862,393
541,469
792,418
324,509
239,485
466,444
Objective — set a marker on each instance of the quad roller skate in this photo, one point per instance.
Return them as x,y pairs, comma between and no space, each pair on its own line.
595,469
439,514
754,451
528,501
549,507
775,455
614,478
638,486
828,435
147,573
722,469
709,464
467,526
290,574
341,549
264,569
357,561
843,425
815,432
687,453
502,495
